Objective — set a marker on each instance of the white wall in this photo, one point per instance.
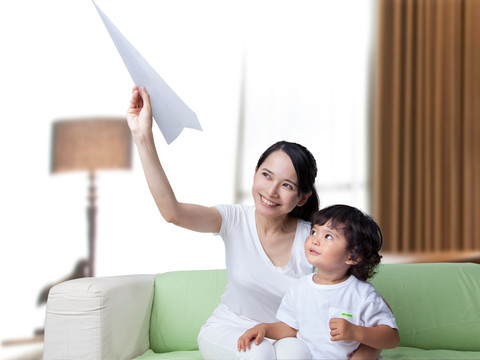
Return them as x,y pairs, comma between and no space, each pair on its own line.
58,61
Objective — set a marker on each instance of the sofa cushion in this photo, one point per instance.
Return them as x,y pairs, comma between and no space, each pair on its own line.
436,305
183,300
409,353
174,355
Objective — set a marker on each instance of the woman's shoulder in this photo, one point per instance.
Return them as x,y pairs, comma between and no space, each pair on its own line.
303,226
304,222
234,215
235,208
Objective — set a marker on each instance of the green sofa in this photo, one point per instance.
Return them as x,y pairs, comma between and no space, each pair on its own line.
437,307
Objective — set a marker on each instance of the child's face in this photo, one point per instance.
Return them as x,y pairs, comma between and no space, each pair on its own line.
275,186
326,249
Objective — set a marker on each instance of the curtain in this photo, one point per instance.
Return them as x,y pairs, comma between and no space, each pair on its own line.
426,147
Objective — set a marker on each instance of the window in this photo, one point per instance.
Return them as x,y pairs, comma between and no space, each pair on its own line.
306,79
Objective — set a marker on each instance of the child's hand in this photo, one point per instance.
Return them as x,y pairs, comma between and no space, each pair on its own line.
256,334
341,329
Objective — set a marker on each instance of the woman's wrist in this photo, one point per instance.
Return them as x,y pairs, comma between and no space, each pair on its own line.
143,137
145,143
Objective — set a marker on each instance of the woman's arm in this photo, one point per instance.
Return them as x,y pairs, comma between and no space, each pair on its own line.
378,337
190,216
278,330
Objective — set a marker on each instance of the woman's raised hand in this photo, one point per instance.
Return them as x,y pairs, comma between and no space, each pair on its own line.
190,216
139,113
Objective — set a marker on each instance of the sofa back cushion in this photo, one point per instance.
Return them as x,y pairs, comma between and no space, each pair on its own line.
183,300
437,306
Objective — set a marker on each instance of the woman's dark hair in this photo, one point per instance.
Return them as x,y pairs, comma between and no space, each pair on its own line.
306,169
364,236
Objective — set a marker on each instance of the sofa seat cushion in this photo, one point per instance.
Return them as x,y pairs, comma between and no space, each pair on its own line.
409,353
180,355
399,353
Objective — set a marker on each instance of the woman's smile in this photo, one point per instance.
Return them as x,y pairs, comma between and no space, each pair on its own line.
267,202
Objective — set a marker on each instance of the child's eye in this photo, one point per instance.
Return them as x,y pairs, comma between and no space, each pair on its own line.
329,237
313,232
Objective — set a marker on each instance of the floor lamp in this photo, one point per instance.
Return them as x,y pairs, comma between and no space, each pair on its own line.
90,144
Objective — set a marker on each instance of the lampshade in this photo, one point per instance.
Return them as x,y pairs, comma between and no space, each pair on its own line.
90,144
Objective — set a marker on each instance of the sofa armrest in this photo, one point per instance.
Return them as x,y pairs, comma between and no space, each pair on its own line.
99,318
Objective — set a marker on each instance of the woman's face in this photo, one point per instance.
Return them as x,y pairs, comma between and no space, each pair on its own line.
275,186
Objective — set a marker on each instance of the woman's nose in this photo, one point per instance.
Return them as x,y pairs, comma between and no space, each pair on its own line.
272,189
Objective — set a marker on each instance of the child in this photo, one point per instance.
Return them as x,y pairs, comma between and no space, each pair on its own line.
335,310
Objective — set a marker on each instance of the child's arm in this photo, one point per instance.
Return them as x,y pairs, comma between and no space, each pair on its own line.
365,352
278,330
378,337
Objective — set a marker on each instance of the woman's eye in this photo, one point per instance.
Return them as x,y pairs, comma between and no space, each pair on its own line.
265,174
288,186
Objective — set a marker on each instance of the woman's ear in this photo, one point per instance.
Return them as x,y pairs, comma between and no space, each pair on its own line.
304,199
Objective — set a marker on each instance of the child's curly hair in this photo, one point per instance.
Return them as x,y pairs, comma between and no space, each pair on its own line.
364,236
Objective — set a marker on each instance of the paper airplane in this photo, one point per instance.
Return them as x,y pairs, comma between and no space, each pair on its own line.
171,114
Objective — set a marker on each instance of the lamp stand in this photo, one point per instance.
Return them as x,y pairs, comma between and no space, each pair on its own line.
92,222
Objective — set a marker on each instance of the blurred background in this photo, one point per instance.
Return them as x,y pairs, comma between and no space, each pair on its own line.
353,81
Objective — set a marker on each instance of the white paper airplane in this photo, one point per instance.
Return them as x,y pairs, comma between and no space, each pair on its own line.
171,114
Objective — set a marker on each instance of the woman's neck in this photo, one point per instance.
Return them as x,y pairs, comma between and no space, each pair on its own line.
267,226
276,237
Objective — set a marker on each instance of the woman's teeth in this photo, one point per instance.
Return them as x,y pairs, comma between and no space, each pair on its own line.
267,202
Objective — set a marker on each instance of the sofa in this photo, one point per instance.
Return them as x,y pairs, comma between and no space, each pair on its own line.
437,307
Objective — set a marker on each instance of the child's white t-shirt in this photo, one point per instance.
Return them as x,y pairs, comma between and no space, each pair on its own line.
255,285
308,307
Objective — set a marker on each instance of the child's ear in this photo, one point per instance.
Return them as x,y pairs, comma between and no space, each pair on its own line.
353,260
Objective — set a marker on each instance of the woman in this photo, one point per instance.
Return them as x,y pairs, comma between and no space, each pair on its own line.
263,243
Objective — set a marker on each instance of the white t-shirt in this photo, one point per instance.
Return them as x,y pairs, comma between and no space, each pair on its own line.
255,286
308,307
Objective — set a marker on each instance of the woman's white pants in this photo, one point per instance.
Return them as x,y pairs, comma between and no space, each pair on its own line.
219,342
